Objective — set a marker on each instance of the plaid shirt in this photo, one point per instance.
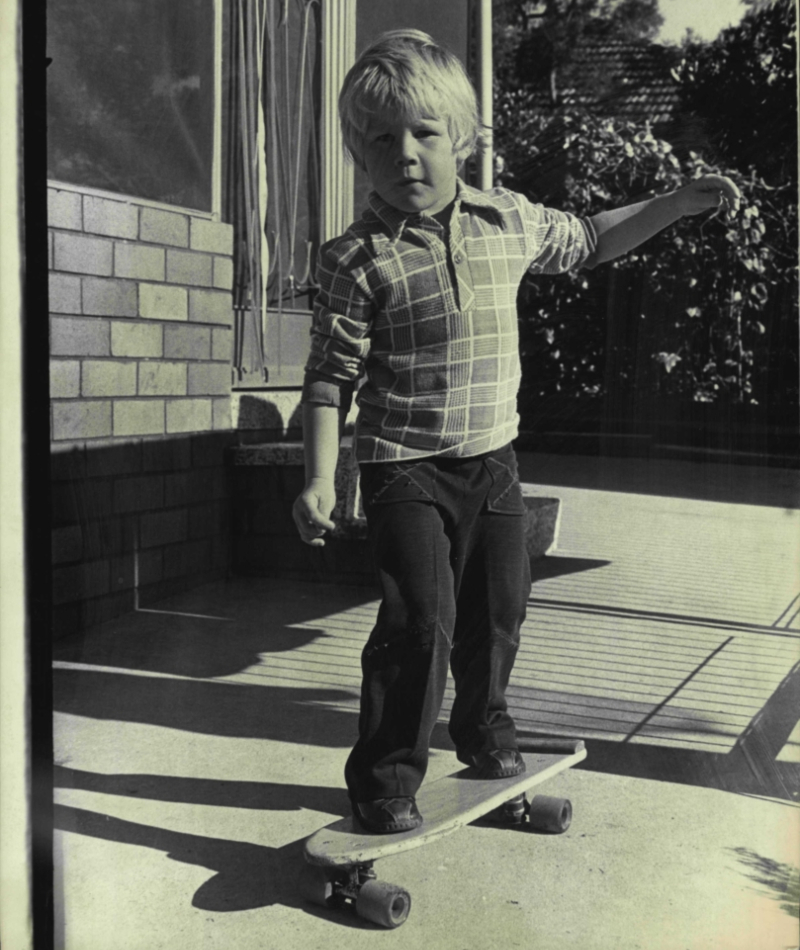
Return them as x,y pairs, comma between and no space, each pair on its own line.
432,322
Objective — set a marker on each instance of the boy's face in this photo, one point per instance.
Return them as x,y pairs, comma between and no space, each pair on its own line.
411,163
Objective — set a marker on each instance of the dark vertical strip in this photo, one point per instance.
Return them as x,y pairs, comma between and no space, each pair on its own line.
36,456
651,715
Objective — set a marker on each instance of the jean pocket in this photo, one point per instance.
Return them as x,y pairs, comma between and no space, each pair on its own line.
505,495
393,483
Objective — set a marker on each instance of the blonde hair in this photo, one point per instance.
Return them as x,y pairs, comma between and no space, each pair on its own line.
407,72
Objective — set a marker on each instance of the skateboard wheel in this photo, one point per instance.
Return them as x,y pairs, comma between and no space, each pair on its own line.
550,814
384,904
316,886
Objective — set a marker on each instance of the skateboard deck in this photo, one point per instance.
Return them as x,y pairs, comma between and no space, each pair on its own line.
341,856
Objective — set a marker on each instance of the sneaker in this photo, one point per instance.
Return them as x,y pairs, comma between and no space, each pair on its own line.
387,815
498,763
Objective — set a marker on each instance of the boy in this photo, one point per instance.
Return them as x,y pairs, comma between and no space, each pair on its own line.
420,296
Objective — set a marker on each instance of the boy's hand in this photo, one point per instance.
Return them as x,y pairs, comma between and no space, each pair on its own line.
710,191
311,511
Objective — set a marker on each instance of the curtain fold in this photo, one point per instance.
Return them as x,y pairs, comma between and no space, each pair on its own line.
273,158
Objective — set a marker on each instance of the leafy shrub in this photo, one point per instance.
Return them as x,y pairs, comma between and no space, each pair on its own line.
723,293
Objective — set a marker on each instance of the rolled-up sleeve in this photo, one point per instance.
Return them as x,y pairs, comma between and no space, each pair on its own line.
341,323
557,241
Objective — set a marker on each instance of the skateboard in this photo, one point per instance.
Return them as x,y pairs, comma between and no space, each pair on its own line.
338,869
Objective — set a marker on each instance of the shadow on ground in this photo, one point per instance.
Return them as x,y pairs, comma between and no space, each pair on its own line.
214,792
751,767
781,881
247,876
213,631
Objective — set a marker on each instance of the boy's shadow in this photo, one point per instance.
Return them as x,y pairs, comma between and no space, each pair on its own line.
219,793
247,876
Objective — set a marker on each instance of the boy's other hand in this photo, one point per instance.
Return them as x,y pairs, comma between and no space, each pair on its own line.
710,191
311,511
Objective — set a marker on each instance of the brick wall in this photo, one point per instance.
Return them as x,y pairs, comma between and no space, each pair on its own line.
135,521
140,320
140,383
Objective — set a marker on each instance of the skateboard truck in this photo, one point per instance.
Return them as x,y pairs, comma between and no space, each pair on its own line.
387,905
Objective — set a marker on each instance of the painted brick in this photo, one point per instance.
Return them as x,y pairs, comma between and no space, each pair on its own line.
112,218
158,528
194,486
64,209
186,267
112,534
63,503
81,420
187,343
67,463
67,544
122,571
157,302
211,236
207,520
80,581
190,557
140,493
164,227
93,504
138,416
82,255
108,378
65,293
189,415
210,306
50,250
222,344
166,455
136,339
77,336
65,379
104,459
139,261
176,488
109,297
223,273
222,414
209,379
162,379
209,449
151,568
86,502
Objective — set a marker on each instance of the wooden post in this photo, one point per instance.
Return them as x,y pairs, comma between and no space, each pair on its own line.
338,55
484,88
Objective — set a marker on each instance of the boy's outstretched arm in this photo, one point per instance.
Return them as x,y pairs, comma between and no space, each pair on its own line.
322,432
622,229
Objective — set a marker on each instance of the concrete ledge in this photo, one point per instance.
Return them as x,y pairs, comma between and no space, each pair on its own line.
264,540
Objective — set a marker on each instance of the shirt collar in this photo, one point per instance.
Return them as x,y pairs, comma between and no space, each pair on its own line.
396,221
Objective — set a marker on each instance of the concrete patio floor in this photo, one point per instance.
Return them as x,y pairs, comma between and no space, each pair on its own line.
198,742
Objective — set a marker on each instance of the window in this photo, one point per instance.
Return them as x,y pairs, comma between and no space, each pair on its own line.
290,187
132,100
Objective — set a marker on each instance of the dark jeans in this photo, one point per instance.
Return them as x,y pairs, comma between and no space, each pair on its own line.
448,540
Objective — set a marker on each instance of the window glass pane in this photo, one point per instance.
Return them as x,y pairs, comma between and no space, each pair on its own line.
131,97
